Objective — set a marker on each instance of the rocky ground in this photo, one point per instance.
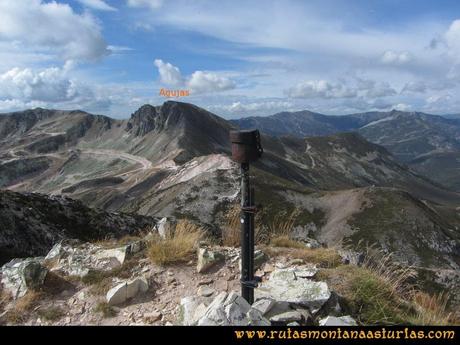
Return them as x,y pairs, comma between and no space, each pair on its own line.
117,282
98,284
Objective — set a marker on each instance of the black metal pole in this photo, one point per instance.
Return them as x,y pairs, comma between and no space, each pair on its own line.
247,242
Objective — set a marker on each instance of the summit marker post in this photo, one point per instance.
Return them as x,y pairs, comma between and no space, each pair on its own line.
246,148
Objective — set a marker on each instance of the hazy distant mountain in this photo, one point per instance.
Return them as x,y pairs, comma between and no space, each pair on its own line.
412,137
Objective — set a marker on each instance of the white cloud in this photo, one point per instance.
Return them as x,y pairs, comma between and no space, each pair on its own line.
199,82
255,107
51,85
202,82
396,58
169,74
320,89
98,5
52,28
153,4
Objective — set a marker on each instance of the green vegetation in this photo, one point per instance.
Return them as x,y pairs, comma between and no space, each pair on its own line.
378,292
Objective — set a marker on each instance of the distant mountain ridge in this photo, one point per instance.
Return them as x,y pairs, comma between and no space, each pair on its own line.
412,137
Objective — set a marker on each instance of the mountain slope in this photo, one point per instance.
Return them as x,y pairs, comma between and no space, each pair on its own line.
32,223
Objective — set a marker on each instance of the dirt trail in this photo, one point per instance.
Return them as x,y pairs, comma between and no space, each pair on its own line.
146,164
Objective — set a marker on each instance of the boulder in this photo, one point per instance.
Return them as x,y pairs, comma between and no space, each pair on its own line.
284,286
20,275
231,309
126,290
264,305
74,258
192,309
255,318
207,258
338,321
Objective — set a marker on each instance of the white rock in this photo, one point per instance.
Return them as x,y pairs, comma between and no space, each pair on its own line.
226,309
126,290
207,258
309,272
338,321
263,305
117,294
283,286
205,291
164,227
193,308
20,275
255,318
286,317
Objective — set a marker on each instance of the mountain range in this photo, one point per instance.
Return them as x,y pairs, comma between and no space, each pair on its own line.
357,179
428,144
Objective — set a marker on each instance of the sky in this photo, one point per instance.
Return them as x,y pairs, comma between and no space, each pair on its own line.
235,58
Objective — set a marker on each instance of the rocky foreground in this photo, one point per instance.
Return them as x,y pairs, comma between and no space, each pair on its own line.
118,283
80,283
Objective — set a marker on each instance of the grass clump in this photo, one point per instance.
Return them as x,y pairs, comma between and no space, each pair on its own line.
231,230
51,313
323,257
431,309
23,307
285,242
105,309
378,292
177,246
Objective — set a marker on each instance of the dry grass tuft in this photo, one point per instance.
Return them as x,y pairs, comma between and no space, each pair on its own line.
431,310
23,306
231,230
51,313
105,309
115,243
285,242
178,246
323,257
379,292
282,226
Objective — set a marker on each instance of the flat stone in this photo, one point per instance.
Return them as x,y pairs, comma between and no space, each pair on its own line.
284,286
306,272
286,317
205,291
337,321
264,305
